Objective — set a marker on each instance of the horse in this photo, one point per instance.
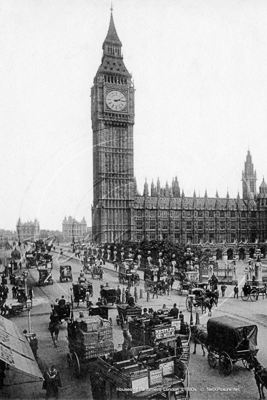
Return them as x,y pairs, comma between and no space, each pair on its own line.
54,330
260,375
200,336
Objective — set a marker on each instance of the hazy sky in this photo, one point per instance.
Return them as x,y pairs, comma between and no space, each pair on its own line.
200,73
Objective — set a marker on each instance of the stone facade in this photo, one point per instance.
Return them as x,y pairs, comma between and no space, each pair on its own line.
120,213
28,230
74,230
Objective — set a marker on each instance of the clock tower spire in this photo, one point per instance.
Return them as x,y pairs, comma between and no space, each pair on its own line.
112,114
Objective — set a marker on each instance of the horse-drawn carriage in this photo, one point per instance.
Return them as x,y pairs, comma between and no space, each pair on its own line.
228,340
45,275
123,372
253,292
124,273
62,311
80,291
97,272
100,310
88,339
202,298
108,295
126,311
65,273
30,258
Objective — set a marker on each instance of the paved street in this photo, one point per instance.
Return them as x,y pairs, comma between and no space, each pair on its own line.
205,382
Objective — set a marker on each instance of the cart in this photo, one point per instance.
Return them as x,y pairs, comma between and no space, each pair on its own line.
201,298
45,275
30,260
161,378
145,332
125,311
253,292
88,339
65,273
108,295
230,340
79,291
63,312
124,273
102,311
97,272
185,287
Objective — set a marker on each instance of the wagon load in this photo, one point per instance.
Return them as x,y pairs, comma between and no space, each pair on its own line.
88,339
159,375
126,311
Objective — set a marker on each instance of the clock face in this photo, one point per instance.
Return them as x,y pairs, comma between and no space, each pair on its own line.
116,100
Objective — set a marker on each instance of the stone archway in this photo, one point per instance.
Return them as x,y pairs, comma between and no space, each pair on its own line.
242,253
230,253
219,254
251,252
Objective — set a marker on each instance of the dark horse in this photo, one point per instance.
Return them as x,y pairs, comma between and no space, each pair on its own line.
260,374
54,328
200,336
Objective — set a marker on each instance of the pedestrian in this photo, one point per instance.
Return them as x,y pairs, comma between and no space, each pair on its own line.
223,289
118,294
236,290
34,344
181,317
127,294
155,291
14,292
174,311
115,266
52,382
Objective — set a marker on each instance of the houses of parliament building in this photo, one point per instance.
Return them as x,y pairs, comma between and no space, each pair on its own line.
120,213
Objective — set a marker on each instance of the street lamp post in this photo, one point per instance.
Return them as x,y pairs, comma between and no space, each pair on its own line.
73,241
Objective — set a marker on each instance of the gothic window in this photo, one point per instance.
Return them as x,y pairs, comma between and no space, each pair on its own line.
243,214
232,213
139,224
177,224
200,224
211,213
188,225
152,224
251,184
222,213
164,224
188,213
211,225
200,213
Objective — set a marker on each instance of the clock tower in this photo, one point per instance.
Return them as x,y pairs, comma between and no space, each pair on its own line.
112,114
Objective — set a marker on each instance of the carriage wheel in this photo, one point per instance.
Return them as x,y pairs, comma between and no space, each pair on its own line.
245,363
244,296
69,360
225,363
254,295
212,359
188,304
76,366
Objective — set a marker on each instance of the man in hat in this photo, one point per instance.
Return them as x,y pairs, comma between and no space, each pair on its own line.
52,382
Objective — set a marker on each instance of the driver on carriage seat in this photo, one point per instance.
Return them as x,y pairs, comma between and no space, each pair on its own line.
82,278
62,302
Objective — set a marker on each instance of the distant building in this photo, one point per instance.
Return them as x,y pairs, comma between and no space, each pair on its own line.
28,230
73,230
7,234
